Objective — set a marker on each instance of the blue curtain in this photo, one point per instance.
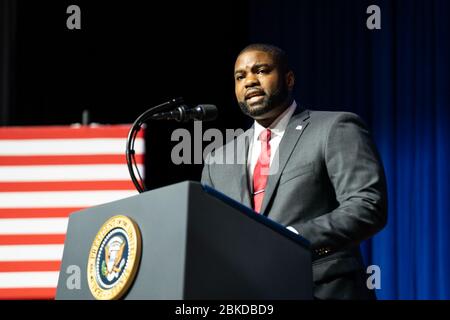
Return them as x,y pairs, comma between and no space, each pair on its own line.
398,80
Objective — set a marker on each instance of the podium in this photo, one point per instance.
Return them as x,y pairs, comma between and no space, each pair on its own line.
196,244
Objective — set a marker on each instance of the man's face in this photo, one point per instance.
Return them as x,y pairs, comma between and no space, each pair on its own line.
260,88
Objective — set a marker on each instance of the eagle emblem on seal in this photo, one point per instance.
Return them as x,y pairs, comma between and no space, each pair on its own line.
114,259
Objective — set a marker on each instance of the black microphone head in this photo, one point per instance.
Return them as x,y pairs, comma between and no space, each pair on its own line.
206,112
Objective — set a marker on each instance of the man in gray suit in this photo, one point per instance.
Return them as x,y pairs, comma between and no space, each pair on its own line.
317,173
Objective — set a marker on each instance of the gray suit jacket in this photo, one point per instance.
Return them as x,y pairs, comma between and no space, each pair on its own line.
327,182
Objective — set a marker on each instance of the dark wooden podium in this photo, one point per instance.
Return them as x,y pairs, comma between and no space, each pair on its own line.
196,244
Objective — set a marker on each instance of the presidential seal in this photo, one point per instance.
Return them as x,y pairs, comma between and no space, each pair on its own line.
114,258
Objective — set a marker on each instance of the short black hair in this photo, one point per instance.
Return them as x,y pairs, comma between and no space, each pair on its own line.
279,55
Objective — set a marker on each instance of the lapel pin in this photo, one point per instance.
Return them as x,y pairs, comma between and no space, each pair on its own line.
299,128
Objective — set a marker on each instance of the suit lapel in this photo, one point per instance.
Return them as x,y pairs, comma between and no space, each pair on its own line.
244,185
297,125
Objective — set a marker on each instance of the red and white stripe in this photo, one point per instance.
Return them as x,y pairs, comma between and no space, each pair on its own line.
46,173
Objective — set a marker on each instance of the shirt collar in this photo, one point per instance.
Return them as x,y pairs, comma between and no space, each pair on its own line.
279,125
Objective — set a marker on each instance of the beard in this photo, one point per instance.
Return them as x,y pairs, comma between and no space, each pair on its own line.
268,103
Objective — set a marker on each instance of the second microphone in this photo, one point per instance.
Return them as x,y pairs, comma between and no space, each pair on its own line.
203,112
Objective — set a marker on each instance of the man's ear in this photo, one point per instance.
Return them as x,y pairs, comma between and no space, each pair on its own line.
290,80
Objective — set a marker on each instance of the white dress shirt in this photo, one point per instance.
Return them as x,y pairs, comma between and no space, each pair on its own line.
278,127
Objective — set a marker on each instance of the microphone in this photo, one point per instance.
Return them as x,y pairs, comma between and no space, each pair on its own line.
183,113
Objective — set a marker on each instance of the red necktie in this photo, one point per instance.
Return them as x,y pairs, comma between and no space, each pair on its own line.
261,170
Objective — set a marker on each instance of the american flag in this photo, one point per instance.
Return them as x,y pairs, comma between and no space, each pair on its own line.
46,173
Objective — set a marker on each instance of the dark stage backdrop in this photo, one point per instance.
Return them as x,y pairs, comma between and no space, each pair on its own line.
398,80
126,58
129,56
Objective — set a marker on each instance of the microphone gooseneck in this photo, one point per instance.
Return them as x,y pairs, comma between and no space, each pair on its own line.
170,110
